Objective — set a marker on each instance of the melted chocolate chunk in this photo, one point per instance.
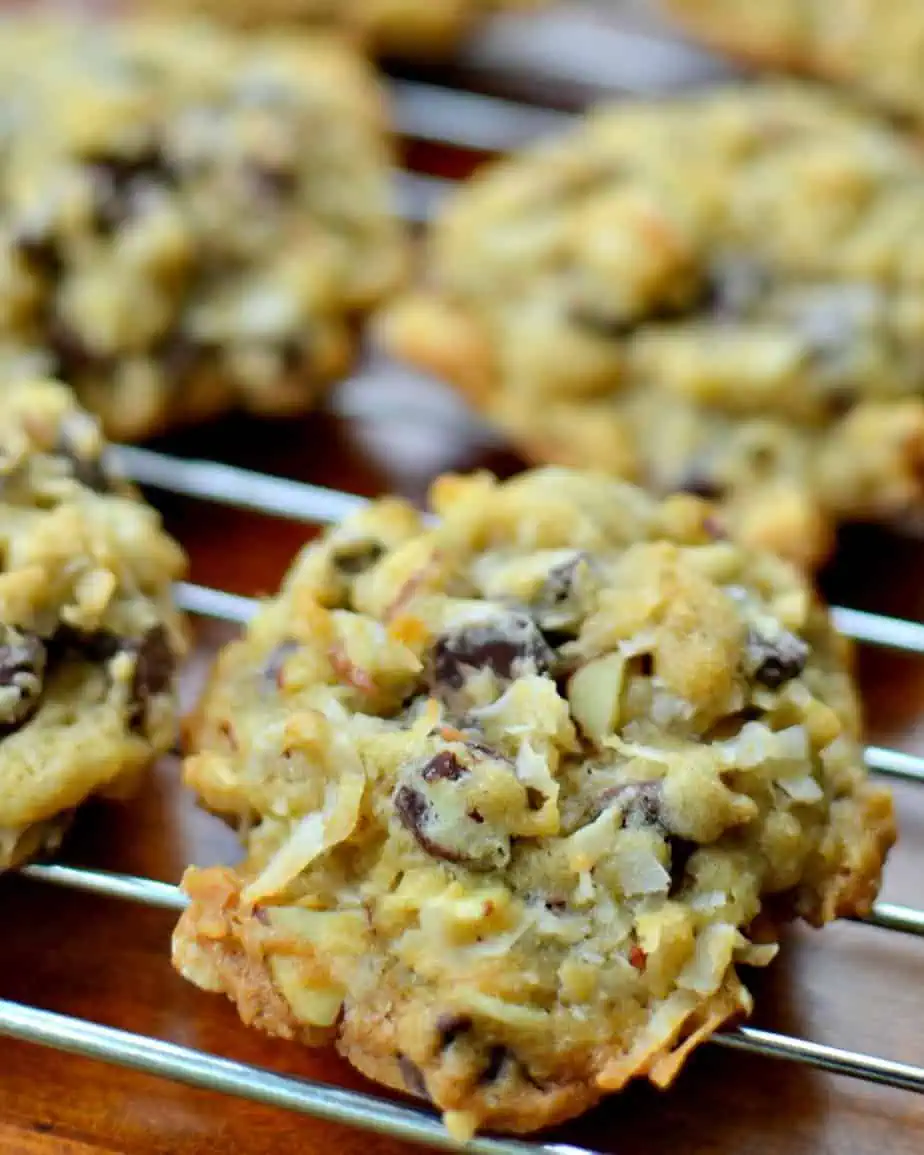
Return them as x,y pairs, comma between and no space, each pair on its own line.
355,557
40,251
94,645
505,646
451,1027
444,766
412,1075
154,669
498,1058
22,669
435,807
774,661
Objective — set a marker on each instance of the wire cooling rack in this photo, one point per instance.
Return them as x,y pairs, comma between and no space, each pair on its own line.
571,55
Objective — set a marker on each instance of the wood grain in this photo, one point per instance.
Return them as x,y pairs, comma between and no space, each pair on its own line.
85,956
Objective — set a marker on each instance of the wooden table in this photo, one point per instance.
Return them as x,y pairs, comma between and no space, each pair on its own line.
81,955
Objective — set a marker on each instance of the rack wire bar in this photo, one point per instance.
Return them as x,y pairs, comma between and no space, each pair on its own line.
879,630
240,488
895,764
146,891
245,489
439,115
583,50
859,1066
212,1073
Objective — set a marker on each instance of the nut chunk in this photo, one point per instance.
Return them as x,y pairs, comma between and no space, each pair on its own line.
89,638
516,788
191,219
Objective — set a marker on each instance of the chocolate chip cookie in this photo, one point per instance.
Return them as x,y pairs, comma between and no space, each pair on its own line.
873,46
521,790
723,295
89,638
190,219
394,27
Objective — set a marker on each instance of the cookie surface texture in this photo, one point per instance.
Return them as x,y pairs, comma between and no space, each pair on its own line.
517,784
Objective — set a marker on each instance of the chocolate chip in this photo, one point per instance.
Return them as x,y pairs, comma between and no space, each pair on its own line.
498,1057
774,661
412,1075
40,252
450,1027
88,470
22,669
355,557
271,182
507,645
154,668
73,357
444,766
273,667
700,484
94,645
435,803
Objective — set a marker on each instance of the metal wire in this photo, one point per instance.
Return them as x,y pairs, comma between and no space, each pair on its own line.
210,1073
560,49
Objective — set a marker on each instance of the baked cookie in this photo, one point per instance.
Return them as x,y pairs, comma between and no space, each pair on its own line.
393,27
190,219
873,46
89,637
723,295
519,790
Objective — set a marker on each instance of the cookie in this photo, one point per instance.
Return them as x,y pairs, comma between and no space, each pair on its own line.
723,295
875,46
521,789
192,219
393,27
89,637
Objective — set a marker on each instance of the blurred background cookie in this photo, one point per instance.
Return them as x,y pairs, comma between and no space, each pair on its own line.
722,294
191,220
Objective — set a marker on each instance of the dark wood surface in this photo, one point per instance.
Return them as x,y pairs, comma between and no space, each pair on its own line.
849,985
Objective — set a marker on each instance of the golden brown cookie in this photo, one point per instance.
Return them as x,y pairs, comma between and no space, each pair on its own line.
89,637
873,46
191,219
519,787
723,295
